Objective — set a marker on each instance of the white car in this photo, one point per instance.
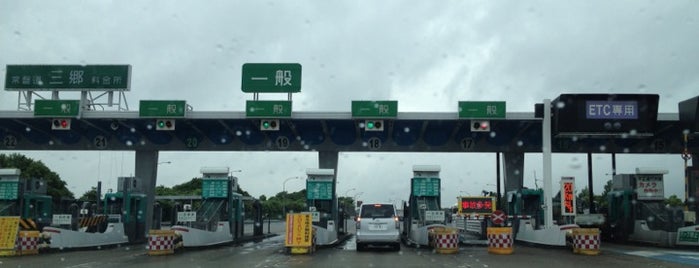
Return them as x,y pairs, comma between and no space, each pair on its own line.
378,225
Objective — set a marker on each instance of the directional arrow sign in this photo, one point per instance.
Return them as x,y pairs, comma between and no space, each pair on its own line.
368,109
56,108
268,108
162,108
271,77
482,109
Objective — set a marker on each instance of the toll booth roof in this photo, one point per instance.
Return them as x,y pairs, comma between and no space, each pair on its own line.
426,168
320,171
214,170
651,171
9,171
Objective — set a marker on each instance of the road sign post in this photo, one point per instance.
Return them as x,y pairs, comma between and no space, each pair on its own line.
271,78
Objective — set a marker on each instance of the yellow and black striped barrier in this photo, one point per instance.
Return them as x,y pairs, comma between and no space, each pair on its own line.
92,221
28,225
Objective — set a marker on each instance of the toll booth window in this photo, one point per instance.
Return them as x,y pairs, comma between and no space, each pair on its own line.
322,206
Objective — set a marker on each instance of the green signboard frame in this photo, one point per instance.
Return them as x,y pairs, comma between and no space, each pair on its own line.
271,78
268,108
319,190
9,190
482,109
426,186
68,77
214,188
57,108
375,109
162,108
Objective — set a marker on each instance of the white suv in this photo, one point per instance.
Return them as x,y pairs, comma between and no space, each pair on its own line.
377,224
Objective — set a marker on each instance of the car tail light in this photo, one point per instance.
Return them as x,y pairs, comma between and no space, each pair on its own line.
395,218
359,223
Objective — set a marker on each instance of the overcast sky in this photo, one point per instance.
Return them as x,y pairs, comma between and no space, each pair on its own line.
427,55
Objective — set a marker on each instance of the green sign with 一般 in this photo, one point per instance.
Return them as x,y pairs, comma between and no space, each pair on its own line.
67,77
374,108
271,78
319,190
162,108
426,186
482,109
267,108
56,108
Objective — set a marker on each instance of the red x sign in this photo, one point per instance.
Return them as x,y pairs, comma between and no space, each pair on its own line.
498,217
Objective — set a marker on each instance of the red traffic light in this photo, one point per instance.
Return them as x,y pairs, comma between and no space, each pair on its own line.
480,125
60,124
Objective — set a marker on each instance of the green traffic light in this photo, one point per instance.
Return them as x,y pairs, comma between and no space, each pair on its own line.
265,124
161,123
370,125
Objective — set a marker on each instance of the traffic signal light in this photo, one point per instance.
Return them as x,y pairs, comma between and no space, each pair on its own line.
269,125
480,126
60,124
165,124
373,125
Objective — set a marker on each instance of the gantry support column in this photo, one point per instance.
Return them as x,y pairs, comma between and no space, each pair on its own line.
328,159
147,172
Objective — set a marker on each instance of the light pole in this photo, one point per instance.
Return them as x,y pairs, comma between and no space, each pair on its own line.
355,199
285,194
344,209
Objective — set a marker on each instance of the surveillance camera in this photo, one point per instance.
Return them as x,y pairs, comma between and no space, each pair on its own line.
114,125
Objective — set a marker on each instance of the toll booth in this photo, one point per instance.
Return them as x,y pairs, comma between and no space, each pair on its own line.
38,206
637,211
693,196
220,217
322,203
423,210
526,204
25,198
127,206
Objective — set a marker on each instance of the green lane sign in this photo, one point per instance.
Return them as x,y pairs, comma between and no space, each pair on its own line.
162,108
268,108
426,186
56,108
9,190
68,77
689,236
482,109
271,77
214,188
374,108
319,190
